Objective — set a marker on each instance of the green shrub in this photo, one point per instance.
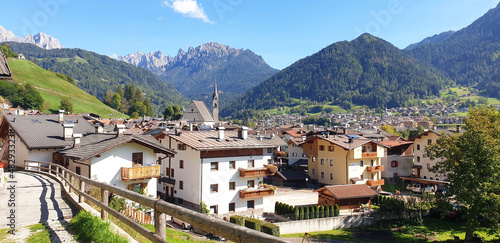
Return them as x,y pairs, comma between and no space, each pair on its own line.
311,209
236,219
332,212
306,212
296,214
276,207
117,203
337,210
252,223
271,229
89,228
327,211
316,211
301,217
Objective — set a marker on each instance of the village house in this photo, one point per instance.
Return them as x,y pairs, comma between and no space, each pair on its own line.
398,160
341,159
223,169
350,198
423,163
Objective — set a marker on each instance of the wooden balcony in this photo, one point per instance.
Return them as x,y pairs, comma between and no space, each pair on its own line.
140,172
375,169
373,183
256,193
369,155
256,172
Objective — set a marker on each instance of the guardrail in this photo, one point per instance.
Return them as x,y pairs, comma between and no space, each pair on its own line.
219,227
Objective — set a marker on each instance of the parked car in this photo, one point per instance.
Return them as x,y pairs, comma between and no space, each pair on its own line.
209,236
409,186
416,188
184,225
429,189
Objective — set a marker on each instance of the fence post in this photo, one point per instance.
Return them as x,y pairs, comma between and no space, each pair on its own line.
104,200
81,199
50,169
71,183
64,176
160,224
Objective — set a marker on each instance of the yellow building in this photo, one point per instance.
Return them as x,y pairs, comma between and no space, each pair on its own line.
340,160
422,163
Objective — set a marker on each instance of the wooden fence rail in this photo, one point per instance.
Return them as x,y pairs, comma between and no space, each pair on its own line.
219,227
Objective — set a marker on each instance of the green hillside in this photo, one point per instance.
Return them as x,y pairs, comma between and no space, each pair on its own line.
53,88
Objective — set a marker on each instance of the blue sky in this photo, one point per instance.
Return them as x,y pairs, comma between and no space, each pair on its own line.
282,32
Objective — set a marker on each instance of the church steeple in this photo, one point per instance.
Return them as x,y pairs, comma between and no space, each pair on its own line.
215,103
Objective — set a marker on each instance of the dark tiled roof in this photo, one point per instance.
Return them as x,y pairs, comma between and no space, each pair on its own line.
349,191
95,144
342,141
45,131
208,140
4,67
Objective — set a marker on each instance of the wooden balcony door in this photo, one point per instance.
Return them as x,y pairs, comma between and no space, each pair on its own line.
137,159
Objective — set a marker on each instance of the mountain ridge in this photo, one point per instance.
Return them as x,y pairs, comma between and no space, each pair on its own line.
40,39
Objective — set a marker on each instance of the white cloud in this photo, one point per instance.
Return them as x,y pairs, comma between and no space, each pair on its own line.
114,56
188,8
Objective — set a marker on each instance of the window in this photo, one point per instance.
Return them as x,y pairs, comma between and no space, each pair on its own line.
181,146
304,156
250,204
181,185
372,163
251,163
330,148
232,207
66,161
322,147
429,141
322,161
167,171
394,174
394,163
322,175
331,176
361,177
159,158
294,154
418,158
78,170
172,172
418,146
428,166
269,150
331,162
214,187
213,209
232,185
214,166
137,159
250,183
361,163
181,164
232,164
314,171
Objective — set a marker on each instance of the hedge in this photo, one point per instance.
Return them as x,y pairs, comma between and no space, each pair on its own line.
271,229
253,223
236,219
337,210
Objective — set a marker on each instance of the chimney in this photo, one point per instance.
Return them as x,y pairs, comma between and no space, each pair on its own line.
120,129
68,131
243,133
61,116
190,127
221,133
99,128
76,140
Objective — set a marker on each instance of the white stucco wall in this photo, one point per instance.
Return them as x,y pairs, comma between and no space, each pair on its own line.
107,168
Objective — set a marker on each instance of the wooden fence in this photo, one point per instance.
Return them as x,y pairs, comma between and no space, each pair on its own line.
219,227
138,216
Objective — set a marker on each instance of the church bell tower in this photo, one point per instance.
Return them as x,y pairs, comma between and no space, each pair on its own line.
215,104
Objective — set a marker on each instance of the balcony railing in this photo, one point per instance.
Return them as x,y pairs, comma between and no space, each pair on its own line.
140,172
375,182
256,172
255,193
369,154
375,169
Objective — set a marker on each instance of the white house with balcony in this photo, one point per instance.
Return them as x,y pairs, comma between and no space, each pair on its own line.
223,169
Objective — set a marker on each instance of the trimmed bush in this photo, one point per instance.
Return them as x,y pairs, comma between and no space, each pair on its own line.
254,224
296,214
271,229
301,217
332,212
306,212
336,210
311,209
236,219
316,211
276,206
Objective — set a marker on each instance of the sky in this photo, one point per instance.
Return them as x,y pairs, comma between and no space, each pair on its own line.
282,32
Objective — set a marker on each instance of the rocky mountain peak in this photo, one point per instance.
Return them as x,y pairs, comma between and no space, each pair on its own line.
41,39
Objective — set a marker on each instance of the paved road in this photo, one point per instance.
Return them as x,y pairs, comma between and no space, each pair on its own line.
37,199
